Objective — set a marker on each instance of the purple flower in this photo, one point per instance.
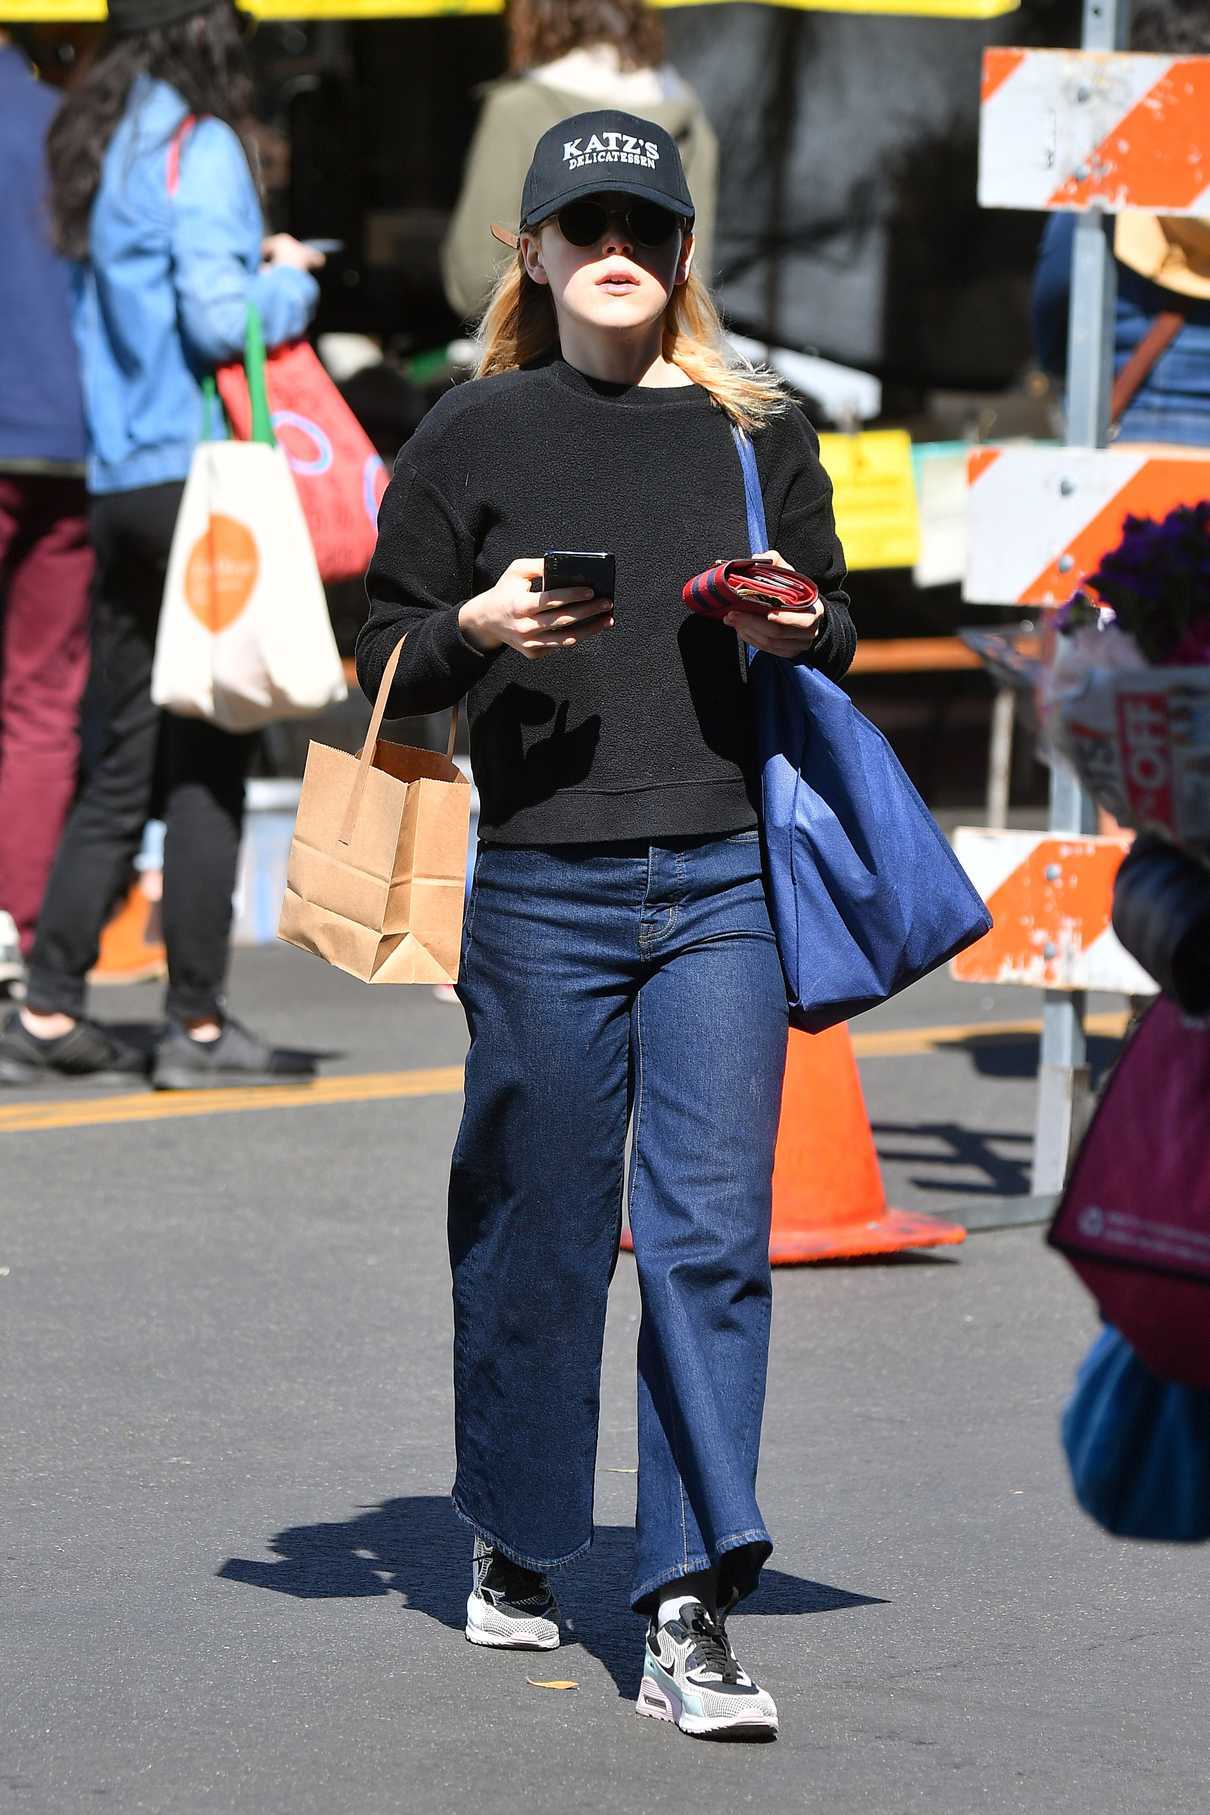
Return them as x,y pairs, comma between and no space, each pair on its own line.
1158,582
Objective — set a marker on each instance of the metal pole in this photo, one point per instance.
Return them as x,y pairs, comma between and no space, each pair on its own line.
1000,758
1064,1088
785,29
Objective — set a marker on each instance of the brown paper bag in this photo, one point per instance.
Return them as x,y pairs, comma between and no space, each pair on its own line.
377,872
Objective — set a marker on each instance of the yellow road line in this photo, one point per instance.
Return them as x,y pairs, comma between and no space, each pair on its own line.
902,1042
160,1106
440,1080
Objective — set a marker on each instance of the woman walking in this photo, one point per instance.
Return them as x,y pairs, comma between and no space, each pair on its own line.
619,967
153,195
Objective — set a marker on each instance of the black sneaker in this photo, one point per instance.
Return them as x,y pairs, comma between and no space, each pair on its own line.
88,1051
510,1608
692,1676
236,1057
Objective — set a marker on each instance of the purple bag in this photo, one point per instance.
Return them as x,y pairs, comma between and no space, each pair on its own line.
1134,1221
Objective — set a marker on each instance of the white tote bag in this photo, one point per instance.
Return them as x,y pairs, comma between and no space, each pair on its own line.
244,635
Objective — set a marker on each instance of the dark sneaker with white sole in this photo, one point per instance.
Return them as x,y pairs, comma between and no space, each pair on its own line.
236,1058
692,1676
510,1608
88,1052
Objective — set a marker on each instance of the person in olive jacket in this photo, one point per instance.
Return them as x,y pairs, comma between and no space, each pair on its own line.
563,59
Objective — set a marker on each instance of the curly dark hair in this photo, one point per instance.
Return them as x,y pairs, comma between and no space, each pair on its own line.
1179,27
541,30
202,57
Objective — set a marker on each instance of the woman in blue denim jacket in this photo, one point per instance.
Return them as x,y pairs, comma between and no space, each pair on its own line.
1163,268
154,197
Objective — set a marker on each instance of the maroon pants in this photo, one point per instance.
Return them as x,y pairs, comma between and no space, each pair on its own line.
45,570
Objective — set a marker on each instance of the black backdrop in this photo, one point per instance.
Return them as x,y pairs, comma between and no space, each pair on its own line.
847,216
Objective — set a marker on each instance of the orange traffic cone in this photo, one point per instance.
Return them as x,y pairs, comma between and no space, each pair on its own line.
828,1197
132,946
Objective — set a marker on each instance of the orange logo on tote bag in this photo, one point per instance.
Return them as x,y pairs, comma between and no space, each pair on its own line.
221,573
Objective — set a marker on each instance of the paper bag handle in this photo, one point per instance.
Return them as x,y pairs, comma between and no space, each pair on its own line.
369,749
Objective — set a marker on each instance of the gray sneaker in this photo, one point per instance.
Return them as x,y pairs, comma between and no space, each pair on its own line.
236,1058
510,1608
692,1676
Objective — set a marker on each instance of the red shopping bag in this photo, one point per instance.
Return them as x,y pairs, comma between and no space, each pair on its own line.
339,475
338,472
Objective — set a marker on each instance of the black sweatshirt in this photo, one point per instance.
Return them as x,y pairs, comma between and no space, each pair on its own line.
644,731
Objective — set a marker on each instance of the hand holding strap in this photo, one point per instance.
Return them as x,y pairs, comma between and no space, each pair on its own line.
369,750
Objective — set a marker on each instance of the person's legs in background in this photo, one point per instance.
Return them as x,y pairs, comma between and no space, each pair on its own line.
125,736
203,771
131,533
45,568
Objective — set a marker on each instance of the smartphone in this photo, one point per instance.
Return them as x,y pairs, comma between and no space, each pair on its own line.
567,567
329,247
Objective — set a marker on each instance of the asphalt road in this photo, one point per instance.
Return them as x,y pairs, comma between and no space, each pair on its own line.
232,1583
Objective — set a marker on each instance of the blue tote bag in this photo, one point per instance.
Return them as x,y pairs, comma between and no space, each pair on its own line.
865,894
1138,1447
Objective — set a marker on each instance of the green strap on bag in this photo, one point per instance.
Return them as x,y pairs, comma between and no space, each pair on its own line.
212,406
254,367
258,392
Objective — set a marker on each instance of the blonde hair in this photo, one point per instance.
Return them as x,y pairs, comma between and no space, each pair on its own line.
520,326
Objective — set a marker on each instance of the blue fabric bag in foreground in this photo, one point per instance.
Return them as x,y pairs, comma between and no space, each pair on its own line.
1138,1447
865,894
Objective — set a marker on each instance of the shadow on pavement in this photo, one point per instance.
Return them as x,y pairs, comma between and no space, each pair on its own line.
1016,1055
419,1549
950,1144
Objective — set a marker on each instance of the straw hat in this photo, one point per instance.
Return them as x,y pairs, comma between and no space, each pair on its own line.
1168,250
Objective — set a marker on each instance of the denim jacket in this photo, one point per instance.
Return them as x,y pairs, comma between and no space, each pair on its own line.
163,297
41,423
1173,403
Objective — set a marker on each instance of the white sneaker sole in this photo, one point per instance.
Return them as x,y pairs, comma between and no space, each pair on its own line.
658,1706
498,1641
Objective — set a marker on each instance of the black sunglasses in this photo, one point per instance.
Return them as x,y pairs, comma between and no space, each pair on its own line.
646,223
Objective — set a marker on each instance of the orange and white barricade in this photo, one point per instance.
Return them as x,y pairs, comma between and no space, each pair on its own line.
1092,132
1051,897
1041,519
1082,129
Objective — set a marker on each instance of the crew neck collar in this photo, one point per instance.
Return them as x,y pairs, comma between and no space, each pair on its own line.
633,396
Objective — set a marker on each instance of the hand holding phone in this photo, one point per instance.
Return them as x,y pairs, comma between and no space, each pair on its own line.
570,567
509,614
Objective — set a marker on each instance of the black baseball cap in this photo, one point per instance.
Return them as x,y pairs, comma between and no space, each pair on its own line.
604,152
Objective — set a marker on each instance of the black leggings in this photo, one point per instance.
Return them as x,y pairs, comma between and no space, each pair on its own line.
136,755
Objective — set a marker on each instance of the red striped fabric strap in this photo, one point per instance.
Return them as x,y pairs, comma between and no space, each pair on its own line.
175,147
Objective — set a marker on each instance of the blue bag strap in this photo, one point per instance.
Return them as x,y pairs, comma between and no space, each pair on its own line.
758,532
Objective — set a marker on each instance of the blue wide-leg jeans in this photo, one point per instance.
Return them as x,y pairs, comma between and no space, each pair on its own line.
605,986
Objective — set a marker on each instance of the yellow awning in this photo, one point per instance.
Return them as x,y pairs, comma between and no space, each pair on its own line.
64,11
